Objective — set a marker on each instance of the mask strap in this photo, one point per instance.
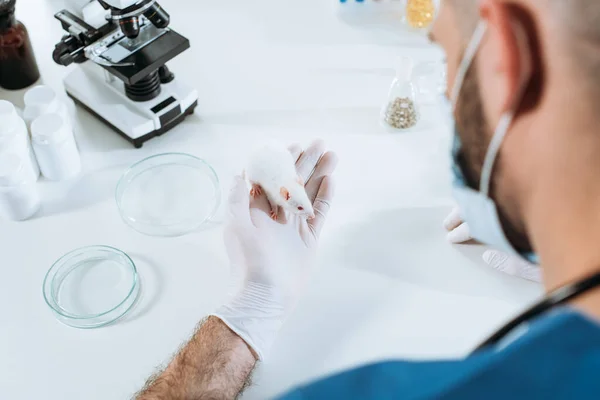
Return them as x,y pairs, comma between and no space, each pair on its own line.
494,147
492,152
470,52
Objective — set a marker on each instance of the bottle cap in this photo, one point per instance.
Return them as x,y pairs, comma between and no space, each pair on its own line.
49,128
8,116
11,169
39,100
404,67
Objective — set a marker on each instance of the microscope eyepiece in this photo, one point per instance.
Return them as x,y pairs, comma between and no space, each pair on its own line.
130,27
157,15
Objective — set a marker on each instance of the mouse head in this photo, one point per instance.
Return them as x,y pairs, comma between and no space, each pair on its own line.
296,201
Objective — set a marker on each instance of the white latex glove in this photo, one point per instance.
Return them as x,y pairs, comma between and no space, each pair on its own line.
512,265
458,232
275,258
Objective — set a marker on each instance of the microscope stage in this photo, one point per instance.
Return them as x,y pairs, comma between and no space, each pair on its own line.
167,45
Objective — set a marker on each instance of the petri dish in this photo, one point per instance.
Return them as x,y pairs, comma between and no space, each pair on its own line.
168,194
91,287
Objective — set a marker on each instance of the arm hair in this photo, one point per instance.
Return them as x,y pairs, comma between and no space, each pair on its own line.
214,364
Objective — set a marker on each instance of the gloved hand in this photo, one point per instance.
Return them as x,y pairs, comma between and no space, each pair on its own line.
512,265
275,258
458,232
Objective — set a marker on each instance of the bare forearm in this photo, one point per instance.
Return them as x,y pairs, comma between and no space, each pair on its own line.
214,364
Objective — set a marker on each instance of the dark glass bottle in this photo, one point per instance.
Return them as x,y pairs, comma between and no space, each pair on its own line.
18,68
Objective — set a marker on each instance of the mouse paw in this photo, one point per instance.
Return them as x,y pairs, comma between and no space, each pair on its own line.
255,191
273,215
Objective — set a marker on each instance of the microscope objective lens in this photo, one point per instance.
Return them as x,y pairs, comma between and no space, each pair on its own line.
130,27
158,16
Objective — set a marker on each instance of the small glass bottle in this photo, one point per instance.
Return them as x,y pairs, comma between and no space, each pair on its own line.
421,13
429,78
18,68
401,111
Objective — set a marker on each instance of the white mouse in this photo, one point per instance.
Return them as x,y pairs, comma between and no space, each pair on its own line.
272,169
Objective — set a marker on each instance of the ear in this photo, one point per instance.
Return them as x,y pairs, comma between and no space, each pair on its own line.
509,55
284,193
300,180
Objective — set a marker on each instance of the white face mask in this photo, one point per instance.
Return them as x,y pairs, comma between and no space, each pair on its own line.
478,210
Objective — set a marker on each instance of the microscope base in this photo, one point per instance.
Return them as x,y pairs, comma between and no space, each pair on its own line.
92,88
138,142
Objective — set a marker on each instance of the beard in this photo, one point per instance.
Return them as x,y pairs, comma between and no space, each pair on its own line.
475,135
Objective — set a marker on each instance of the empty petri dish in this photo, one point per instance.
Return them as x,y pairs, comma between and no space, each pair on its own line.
168,194
91,287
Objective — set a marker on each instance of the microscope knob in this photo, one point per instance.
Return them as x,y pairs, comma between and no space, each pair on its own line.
68,51
66,59
62,54
165,74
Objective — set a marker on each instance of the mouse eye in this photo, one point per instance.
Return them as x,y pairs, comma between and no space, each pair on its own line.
300,208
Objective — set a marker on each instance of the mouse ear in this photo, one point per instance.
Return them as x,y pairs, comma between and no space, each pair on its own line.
284,193
300,180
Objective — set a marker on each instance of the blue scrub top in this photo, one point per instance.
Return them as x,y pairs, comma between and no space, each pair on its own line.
558,357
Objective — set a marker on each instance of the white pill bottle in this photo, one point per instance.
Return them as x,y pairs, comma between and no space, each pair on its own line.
14,138
42,100
19,198
55,147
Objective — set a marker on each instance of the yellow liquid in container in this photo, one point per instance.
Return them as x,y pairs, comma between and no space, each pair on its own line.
420,13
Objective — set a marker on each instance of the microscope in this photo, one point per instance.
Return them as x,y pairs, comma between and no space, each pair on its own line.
120,48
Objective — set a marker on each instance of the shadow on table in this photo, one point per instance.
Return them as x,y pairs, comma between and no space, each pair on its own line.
410,245
342,119
85,191
91,133
345,119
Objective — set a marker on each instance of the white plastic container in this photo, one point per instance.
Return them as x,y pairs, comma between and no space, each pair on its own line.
14,138
55,147
41,100
19,198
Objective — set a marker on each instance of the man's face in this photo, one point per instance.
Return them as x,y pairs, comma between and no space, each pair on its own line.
476,114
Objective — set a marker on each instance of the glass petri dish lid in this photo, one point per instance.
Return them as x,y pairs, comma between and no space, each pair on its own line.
168,194
91,287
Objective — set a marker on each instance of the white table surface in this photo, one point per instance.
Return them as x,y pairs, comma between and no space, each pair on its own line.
389,285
